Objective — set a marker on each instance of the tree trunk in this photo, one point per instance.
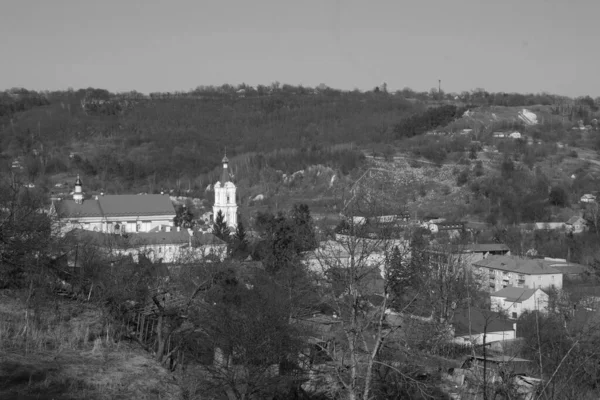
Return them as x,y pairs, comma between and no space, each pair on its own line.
159,338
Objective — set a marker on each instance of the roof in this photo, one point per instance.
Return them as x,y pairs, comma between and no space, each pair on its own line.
481,321
515,294
173,237
484,247
575,219
520,265
124,205
71,209
450,225
131,205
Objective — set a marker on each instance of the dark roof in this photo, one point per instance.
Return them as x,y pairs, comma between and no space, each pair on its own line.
124,205
481,321
519,265
484,247
173,237
225,177
131,205
71,209
449,225
515,294
201,239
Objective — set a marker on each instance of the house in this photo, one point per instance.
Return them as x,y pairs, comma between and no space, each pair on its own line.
471,325
514,301
478,251
180,245
113,213
499,135
515,135
549,226
498,272
576,224
588,198
453,228
367,254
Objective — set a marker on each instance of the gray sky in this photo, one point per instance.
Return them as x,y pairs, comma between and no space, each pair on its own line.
169,45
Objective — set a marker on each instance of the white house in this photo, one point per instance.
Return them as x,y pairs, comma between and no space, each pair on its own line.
514,301
113,213
588,198
576,224
515,135
225,201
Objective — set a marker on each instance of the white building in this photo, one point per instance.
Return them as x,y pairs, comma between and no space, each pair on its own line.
515,301
113,213
225,201
498,272
178,246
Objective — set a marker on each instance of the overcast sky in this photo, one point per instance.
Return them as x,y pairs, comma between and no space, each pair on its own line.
170,45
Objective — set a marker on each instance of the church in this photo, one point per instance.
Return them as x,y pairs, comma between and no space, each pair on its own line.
114,213
225,201
130,213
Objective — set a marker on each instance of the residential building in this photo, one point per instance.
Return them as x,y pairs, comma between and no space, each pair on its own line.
225,200
472,325
498,272
478,251
588,198
576,224
113,213
515,301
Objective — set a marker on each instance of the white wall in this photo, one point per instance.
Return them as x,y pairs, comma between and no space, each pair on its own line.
489,337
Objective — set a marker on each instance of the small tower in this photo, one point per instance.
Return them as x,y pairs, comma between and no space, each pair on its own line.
225,197
78,194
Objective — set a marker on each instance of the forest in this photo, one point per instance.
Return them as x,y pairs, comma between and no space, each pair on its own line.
131,141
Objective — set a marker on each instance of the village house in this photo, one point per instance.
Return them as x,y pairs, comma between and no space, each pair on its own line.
113,213
498,272
515,301
588,198
471,325
452,228
576,224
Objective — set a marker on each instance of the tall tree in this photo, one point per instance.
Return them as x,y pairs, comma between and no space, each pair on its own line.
220,228
240,241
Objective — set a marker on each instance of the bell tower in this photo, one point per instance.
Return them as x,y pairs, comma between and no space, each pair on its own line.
225,197
78,193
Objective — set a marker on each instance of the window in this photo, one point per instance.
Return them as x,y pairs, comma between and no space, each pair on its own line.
552,276
514,315
227,198
514,306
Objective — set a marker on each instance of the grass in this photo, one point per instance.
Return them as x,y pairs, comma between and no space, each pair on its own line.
69,350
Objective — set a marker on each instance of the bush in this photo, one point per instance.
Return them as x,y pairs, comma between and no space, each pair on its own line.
462,178
573,154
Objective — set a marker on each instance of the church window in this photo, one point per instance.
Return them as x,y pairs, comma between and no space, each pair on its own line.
227,198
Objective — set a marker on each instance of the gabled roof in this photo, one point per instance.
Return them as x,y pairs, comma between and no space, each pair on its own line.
515,294
480,322
575,219
519,265
71,209
124,205
131,205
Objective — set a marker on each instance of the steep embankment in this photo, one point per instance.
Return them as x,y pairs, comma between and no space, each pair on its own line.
60,350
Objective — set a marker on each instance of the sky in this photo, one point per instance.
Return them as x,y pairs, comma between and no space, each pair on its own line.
176,45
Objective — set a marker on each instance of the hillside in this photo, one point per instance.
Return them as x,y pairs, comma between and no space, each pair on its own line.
67,350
